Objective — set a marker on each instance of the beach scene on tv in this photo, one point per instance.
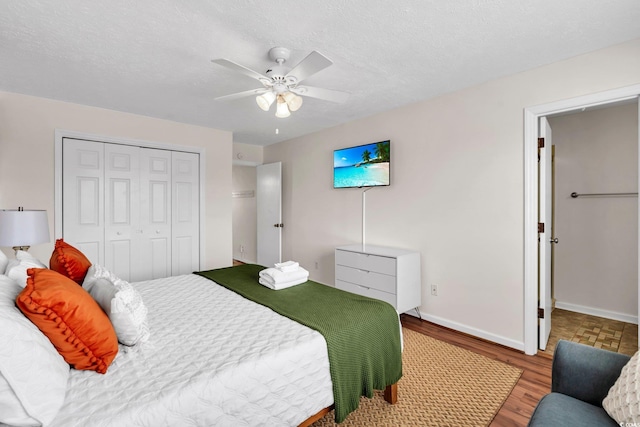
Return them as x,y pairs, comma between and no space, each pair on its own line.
362,166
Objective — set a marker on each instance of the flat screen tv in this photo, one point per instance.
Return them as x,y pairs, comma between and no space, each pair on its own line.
362,166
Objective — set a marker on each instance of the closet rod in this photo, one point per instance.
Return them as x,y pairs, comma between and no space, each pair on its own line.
576,195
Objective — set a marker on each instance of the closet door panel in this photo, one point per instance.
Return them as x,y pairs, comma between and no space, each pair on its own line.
183,254
122,224
155,213
82,197
185,228
119,254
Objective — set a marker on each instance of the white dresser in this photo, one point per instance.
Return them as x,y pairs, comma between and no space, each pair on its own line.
387,274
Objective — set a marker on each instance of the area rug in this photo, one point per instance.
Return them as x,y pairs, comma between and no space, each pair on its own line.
442,385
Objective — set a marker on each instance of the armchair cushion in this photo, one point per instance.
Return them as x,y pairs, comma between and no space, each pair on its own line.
557,409
585,373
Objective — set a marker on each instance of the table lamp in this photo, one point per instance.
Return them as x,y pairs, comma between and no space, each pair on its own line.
21,229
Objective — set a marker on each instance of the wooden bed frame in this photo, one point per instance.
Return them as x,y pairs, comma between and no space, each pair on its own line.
390,395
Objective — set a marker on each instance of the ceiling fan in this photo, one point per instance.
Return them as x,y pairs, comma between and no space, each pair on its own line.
281,84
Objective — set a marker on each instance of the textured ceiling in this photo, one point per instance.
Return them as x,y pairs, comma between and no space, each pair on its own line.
153,57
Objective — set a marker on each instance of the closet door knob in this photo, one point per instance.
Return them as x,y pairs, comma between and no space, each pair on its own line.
553,240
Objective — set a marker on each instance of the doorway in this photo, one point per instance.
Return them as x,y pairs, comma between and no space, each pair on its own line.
595,262
532,116
244,212
257,213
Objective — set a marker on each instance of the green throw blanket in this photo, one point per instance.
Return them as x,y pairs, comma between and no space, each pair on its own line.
362,334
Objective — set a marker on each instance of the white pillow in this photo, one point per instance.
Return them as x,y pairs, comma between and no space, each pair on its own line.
17,268
3,262
122,303
623,400
33,376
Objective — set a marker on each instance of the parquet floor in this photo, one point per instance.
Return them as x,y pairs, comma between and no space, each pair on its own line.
599,332
534,383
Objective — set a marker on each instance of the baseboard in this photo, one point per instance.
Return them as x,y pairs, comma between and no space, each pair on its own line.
507,342
415,313
597,312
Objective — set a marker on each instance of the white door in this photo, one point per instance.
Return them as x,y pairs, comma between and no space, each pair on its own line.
269,208
155,214
122,216
545,241
82,197
185,213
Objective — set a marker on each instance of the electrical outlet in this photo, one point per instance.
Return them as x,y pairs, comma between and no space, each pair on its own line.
241,249
434,290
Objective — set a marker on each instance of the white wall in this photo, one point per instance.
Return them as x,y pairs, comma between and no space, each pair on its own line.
596,260
247,154
457,189
27,127
244,214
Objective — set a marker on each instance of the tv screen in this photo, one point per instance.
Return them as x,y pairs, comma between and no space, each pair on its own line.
362,166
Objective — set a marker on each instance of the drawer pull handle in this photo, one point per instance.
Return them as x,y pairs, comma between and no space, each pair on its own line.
363,271
363,287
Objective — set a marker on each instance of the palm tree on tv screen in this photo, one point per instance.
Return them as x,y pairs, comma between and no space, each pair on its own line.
366,156
382,151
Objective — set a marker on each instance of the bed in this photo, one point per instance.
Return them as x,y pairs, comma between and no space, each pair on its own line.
215,357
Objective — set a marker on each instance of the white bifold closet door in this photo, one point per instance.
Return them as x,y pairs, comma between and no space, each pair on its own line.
83,197
155,213
185,225
134,210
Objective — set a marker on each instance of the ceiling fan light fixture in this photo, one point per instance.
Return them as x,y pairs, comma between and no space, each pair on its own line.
294,102
282,110
265,100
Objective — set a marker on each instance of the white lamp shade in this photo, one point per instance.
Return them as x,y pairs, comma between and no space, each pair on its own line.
283,110
293,101
23,228
265,100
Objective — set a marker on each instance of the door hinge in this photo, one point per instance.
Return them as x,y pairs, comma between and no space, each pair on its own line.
541,227
540,142
540,313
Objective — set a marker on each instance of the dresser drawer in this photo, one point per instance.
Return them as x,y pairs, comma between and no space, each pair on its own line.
379,264
370,279
367,292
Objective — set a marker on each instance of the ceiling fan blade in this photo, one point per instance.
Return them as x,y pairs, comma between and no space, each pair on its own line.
241,69
239,95
310,65
325,94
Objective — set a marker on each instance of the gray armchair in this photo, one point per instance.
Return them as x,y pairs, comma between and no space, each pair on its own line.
581,377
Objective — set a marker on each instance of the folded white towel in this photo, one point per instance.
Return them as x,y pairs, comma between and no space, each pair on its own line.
287,266
275,276
277,287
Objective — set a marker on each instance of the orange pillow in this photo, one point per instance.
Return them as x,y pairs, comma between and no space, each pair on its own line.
70,318
69,261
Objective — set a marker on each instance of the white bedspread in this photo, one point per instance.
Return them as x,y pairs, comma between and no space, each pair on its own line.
213,359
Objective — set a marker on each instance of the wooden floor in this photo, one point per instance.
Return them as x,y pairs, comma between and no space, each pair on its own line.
534,383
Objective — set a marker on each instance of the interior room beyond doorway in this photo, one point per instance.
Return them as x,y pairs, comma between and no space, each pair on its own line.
595,263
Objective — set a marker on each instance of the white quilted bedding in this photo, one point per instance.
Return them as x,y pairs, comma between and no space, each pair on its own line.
213,359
